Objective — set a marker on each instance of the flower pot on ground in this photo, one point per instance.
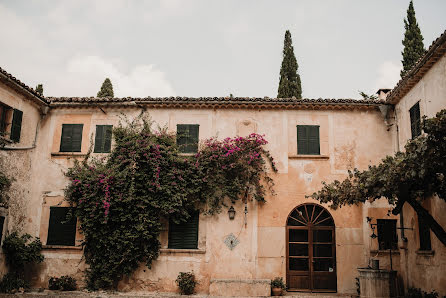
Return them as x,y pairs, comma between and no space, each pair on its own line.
277,286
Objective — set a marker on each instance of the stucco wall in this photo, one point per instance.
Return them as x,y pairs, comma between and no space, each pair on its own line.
424,270
346,138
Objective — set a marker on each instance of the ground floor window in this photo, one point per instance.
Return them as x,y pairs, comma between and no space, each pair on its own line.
60,230
184,235
425,235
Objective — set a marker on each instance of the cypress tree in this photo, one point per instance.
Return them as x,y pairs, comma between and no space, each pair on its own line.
289,84
106,89
413,41
39,89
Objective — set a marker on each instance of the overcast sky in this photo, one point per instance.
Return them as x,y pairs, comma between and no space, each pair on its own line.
208,48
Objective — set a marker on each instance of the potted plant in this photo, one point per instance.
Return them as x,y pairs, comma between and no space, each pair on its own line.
277,286
186,282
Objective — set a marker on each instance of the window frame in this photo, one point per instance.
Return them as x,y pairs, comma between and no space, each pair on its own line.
415,120
179,230
387,228
52,237
105,146
190,145
306,141
5,118
62,141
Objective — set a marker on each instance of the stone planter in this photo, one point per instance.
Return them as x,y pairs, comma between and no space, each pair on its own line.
377,283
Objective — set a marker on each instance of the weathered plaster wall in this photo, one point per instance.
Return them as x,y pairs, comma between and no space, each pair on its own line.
346,139
424,270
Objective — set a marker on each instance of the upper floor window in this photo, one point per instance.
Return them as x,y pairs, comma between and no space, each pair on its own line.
187,137
387,234
71,140
425,235
10,122
308,139
184,235
415,120
60,230
103,138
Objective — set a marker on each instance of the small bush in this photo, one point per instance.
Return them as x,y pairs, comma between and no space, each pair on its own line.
418,293
278,283
11,282
186,282
21,250
63,283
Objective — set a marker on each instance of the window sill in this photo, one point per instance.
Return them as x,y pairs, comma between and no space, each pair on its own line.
7,140
187,154
308,156
68,154
184,251
385,252
426,253
62,247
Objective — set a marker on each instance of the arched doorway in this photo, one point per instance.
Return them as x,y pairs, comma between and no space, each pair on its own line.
311,250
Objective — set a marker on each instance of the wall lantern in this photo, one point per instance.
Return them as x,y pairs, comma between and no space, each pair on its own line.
231,213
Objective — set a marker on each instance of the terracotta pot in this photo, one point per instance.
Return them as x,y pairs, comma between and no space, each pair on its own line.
276,291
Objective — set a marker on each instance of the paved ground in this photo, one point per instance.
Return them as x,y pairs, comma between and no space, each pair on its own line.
78,294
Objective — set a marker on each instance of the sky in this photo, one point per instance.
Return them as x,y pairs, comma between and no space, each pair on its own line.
201,48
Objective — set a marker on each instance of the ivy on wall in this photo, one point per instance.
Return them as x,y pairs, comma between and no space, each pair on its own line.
121,199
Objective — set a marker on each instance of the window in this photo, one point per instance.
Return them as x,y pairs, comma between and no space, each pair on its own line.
2,222
184,235
387,234
102,141
71,139
187,137
308,139
10,119
415,122
425,235
61,231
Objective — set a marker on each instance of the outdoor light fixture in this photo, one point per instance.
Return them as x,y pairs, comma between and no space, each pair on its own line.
231,213
373,235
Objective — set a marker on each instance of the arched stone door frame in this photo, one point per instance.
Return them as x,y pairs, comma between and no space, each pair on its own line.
310,249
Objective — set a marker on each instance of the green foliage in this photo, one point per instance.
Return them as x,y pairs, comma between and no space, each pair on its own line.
289,84
365,96
11,282
39,89
186,282
413,41
106,89
120,200
5,184
278,283
63,283
21,251
418,293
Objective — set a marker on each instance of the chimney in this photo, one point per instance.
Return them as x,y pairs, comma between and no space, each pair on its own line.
382,93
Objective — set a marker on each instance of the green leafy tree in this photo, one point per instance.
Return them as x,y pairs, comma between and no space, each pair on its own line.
411,176
289,84
413,41
39,89
106,89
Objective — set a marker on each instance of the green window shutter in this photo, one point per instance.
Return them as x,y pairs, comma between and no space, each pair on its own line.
187,137
61,231
71,140
184,235
308,139
16,126
103,138
415,120
2,222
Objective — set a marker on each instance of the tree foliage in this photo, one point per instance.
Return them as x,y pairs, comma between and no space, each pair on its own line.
410,176
413,41
39,89
106,89
120,200
289,84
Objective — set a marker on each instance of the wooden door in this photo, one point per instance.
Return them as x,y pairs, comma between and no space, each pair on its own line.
311,250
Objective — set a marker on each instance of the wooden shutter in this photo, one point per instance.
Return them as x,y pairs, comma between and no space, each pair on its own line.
107,138
415,120
16,126
193,139
185,234
61,231
98,139
187,137
71,140
308,139
2,222
102,142
302,139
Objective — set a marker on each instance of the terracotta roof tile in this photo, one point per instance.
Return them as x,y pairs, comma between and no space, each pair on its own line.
21,86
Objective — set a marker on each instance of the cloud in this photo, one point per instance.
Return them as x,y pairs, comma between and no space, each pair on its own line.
85,74
388,75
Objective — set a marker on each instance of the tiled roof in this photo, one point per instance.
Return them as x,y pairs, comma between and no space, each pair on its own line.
412,77
215,102
20,86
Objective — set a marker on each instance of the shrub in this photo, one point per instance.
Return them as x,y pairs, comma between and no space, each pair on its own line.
418,293
63,283
278,283
186,282
11,282
21,250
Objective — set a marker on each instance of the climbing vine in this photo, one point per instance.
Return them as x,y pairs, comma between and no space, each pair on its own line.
120,200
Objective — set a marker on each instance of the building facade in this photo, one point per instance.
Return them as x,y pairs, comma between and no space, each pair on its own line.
312,246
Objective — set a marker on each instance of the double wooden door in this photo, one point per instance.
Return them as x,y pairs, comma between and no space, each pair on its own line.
311,250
